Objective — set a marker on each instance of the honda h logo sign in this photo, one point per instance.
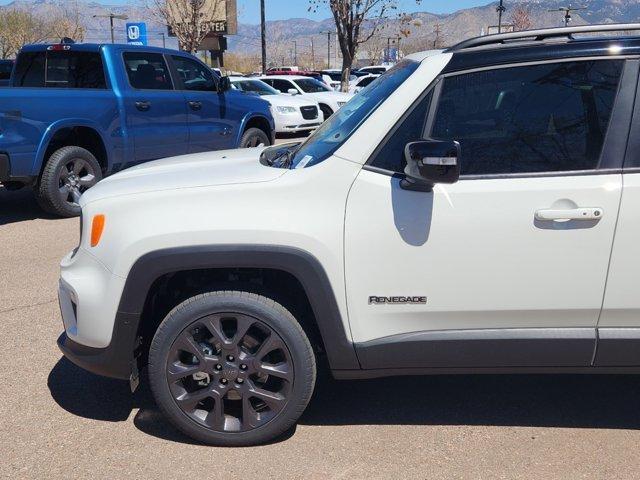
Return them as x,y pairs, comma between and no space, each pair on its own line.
137,33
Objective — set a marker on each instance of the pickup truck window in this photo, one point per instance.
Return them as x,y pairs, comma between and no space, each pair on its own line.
5,69
62,69
147,71
193,75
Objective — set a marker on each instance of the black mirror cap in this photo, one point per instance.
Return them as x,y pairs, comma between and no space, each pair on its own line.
430,162
224,84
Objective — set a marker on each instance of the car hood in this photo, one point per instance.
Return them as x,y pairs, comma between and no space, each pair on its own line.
288,101
231,167
331,96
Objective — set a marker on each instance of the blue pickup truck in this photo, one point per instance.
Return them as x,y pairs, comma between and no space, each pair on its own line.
75,113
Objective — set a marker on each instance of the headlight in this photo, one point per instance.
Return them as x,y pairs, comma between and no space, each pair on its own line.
341,104
286,110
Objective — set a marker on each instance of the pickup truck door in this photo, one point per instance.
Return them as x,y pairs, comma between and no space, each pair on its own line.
503,268
211,119
156,111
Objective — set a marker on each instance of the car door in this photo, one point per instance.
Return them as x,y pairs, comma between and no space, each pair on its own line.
499,269
156,112
213,121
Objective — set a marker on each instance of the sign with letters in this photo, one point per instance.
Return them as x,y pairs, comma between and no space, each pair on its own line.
137,33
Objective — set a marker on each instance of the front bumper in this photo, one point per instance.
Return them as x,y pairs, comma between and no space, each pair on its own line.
97,336
296,123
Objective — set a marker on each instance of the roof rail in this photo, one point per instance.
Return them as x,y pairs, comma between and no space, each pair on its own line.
542,34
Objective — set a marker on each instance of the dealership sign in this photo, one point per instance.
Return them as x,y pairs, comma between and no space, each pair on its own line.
137,33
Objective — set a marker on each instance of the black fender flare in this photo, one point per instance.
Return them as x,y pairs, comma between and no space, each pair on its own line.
299,263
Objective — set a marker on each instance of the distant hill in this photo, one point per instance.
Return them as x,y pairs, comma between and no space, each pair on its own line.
283,33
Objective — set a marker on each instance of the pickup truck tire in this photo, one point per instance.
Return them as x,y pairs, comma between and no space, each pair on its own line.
231,368
254,137
68,173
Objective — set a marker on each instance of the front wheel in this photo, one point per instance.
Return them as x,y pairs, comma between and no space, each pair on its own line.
254,137
231,368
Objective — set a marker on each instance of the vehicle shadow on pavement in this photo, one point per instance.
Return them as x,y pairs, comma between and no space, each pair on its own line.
567,401
19,206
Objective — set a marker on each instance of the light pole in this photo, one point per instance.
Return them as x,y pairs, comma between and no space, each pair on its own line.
263,35
164,39
112,16
328,48
567,13
295,52
500,9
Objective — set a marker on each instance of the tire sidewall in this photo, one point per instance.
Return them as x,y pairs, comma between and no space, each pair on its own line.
277,318
254,132
48,189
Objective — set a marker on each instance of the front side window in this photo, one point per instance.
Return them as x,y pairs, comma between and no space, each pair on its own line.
254,86
194,75
530,119
311,85
147,71
5,69
283,86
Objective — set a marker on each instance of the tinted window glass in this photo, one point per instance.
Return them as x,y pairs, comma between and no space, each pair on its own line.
5,69
391,155
75,70
254,86
147,71
30,69
311,85
282,85
542,118
194,75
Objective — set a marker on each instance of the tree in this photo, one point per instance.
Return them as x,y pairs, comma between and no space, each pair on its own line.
69,23
18,28
357,21
521,18
190,20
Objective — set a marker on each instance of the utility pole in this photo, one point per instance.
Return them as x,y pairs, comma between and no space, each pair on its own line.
263,34
437,30
295,52
567,13
328,49
313,55
164,39
111,17
500,9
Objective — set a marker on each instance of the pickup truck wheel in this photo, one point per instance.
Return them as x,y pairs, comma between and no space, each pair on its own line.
254,137
68,173
231,368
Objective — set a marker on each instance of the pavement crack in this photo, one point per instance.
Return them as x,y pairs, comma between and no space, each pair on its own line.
19,307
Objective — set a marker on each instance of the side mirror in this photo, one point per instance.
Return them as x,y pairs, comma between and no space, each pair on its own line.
430,162
224,84
293,91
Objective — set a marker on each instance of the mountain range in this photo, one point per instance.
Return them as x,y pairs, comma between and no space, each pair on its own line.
286,36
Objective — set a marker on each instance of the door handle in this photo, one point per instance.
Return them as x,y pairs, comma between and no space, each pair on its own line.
550,215
195,105
143,106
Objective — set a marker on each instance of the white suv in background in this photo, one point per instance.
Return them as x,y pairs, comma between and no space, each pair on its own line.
472,211
291,114
330,101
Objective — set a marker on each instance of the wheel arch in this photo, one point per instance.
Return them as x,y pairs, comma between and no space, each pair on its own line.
78,133
257,121
300,265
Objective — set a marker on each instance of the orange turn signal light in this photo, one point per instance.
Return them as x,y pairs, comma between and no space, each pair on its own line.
97,227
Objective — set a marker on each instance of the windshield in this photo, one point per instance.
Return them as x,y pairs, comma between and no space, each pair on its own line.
254,86
311,85
341,125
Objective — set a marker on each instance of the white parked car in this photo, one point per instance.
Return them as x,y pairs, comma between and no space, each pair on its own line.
290,113
375,69
361,83
467,213
330,101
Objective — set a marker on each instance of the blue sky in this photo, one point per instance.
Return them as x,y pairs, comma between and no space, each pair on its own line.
249,10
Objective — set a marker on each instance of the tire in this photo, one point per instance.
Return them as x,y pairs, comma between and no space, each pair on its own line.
231,401
254,137
326,111
68,173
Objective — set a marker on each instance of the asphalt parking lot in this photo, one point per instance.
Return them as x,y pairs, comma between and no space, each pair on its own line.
56,421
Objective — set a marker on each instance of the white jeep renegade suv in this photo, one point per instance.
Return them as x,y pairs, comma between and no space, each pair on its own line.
472,210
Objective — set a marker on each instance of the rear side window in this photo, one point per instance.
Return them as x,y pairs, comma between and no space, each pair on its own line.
530,119
61,69
5,70
147,71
